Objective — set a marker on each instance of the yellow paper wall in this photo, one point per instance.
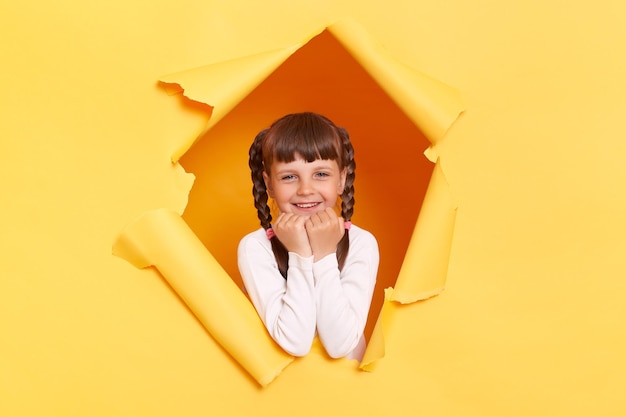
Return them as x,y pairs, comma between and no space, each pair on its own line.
388,147
532,319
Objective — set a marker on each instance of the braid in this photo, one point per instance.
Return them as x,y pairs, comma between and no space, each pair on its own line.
259,191
347,197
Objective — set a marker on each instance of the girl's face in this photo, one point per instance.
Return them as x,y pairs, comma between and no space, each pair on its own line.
304,188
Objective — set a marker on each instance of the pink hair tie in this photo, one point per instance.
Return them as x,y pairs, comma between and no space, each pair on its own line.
347,225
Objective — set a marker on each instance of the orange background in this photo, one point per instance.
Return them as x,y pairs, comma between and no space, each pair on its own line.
323,77
532,319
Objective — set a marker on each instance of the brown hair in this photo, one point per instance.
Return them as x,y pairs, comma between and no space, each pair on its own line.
312,136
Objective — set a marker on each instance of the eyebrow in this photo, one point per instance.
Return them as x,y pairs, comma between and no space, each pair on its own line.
322,163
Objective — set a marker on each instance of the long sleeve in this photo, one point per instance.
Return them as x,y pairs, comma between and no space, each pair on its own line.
343,299
316,297
286,307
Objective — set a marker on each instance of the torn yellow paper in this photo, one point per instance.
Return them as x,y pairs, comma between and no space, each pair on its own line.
162,239
429,104
376,346
532,319
230,82
425,265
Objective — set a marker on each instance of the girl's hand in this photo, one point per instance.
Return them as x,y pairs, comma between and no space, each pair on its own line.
324,230
289,229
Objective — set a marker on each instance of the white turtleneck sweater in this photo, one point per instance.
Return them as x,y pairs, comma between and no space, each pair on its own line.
316,298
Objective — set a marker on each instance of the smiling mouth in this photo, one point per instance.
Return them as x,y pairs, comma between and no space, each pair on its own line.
306,205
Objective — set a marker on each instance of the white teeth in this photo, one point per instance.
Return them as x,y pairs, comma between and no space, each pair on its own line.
307,205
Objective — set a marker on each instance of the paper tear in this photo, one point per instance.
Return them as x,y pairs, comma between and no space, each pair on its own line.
157,237
430,104
376,346
224,84
162,239
425,266
183,181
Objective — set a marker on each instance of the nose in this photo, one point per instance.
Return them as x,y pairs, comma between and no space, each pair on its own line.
305,187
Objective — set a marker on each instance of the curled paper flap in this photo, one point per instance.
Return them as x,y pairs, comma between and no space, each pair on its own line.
430,104
376,346
161,238
224,84
425,266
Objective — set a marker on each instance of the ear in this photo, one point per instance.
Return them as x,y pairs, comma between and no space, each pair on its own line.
268,184
342,182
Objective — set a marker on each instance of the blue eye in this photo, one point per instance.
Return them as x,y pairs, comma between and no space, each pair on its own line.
322,174
287,177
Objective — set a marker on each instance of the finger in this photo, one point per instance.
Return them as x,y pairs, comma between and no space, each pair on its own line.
323,216
290,221
279,219
291,218
286,221
316,219
313,223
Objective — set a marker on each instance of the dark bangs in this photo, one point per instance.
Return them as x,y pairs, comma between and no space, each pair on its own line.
308,135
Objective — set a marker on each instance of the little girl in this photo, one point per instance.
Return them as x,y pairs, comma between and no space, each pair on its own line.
310,271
